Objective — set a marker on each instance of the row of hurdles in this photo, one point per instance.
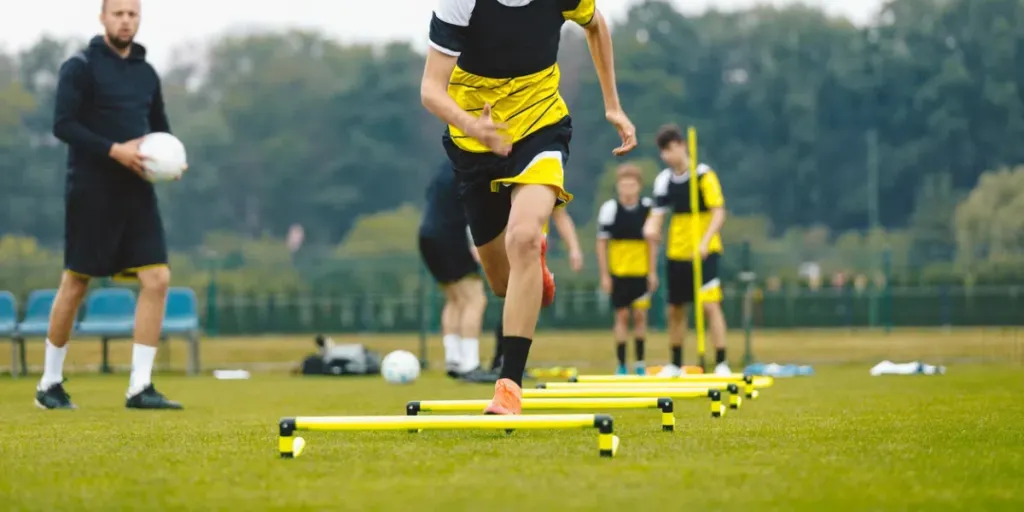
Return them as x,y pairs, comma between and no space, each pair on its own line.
583,392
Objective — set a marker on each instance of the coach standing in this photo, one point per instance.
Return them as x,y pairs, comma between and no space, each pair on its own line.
108,98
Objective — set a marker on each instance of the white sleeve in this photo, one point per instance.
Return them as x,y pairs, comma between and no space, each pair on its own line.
661,199
605,218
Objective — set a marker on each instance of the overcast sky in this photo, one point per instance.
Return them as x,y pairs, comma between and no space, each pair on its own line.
169,23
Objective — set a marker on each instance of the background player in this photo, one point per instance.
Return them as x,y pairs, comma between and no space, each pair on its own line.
627,262
108,98
672,194
492,76
451,258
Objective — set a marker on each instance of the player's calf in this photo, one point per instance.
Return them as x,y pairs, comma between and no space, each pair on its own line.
494,260
621,331
639,337
50,393
149,316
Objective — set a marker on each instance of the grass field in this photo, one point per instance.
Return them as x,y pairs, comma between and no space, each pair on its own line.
839,440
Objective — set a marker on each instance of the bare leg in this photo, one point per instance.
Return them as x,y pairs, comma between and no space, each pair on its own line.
149,318
717,329
677,332
621,331
494,260
63,313
472,302
639,335
450,329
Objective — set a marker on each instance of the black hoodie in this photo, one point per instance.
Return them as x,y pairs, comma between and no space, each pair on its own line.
103,98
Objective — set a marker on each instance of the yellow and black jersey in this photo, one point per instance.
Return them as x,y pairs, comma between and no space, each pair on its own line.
672,196
508,51
623,227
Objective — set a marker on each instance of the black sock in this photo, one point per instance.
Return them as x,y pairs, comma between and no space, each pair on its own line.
496,362
620,352
516,350
639,344
719,356
677,356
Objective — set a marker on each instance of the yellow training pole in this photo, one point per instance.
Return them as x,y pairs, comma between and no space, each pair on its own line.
695,237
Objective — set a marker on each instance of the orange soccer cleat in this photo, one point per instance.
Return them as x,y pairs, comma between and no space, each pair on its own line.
508,399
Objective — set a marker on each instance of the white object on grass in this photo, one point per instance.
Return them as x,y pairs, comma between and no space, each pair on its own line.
914,368
400,367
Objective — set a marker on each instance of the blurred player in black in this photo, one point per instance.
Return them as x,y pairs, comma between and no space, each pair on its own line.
451,258
108,99
627,262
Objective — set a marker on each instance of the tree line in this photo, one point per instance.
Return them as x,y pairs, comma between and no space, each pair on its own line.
812,123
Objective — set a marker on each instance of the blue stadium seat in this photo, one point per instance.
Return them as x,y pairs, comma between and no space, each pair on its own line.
182,314
8,314
35,324
37,313
181,317
9,325
109,313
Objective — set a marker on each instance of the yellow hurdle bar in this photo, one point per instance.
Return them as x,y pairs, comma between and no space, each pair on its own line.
735,400
717,408
291,446
668,419
750,383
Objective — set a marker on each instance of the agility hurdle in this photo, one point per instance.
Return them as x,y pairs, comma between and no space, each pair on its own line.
750,383
717,408
668,419
291,446
735,400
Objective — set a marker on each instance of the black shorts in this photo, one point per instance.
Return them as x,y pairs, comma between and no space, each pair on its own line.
487,210
680,281
448,260
630,292
112,232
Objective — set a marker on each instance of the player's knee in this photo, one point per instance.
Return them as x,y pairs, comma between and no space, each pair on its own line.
522,241
155,280
621,317
74,286
640,316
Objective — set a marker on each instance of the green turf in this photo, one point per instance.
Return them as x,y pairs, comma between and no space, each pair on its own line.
840,440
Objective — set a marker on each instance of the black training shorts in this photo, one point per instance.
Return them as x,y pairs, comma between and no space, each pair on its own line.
680,281
629,292
487,211
111,231
448,260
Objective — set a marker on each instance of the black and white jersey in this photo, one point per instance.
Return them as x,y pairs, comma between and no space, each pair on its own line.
507,56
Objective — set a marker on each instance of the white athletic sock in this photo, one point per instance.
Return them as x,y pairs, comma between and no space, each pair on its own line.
142,367
53,372
452,351
470,354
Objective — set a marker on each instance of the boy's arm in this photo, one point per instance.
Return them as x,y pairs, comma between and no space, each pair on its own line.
567,232
605,219
711,190
599,41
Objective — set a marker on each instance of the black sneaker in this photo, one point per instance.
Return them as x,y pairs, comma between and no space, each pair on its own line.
481,376
54,397
150,398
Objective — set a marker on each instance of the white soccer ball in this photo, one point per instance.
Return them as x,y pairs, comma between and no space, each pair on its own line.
400,367
165,157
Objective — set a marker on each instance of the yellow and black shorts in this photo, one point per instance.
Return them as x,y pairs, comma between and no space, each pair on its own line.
630,292
680,281
112,233
485,180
